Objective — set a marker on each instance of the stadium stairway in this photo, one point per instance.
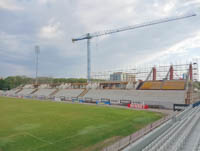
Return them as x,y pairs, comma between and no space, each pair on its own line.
84,93
12,92
25,92
53,93
18,91
34,91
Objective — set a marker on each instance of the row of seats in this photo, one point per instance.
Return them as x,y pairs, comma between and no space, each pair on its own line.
150,97
176,137
1,92
25,92
69,93
163,85
174,85
43,92
197,145
12,92
151,85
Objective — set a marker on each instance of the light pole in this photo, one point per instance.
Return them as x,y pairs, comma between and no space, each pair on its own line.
37,51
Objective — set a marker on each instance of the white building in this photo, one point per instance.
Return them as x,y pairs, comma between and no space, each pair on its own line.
120,76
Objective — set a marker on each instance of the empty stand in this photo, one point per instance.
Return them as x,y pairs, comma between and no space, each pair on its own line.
64,86
69,93
151,85
182,135
163,85
1,92
83,93
28,86
174,85
44,92
12,92
150,97
25,92
156,98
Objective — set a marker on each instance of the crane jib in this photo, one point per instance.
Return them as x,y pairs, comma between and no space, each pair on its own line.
89,36
106,32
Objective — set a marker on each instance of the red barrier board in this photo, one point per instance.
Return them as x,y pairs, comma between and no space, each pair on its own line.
138,106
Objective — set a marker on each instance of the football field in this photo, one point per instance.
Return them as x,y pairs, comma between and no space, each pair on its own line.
29,125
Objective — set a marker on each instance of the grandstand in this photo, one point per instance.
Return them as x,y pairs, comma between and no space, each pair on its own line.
164,91
163,85
68,94
151,85
162,88
179,133
1,92
173,85
26,92
28,86
153,98
12,92
64,86
43,92
164,99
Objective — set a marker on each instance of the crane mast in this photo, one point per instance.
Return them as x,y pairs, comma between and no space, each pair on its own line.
88,59
89,36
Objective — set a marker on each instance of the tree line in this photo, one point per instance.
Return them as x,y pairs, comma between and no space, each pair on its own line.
15,81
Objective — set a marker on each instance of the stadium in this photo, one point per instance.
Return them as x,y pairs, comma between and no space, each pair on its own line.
140,90
163,87
164,90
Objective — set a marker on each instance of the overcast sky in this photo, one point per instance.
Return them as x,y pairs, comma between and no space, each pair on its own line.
52,24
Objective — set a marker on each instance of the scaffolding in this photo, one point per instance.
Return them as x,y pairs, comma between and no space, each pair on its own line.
155,72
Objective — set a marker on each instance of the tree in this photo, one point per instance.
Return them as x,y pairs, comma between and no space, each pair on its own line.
15,81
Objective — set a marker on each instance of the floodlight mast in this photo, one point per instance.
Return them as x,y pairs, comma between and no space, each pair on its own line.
88,59
37,51
89,36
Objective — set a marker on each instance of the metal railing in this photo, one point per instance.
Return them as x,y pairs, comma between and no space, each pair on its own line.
176,136
124,142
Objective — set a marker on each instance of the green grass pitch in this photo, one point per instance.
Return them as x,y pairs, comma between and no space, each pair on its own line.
28,125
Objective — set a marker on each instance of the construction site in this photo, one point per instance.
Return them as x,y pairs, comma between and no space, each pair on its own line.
158,86
168,91
163,87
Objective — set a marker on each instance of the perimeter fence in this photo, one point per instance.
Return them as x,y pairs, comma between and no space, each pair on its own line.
124,142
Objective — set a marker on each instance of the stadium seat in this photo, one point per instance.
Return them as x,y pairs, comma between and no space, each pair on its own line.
151,85
150,97
44,92
69,93
174,85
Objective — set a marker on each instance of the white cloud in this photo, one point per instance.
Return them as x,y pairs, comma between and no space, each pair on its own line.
168,7
15,69
72,18
180,49
51,31
99,15
13,44
46,1
10,5
186,44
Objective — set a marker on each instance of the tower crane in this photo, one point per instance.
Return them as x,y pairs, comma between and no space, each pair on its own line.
89,36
